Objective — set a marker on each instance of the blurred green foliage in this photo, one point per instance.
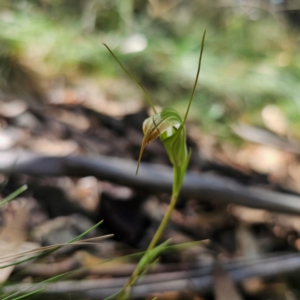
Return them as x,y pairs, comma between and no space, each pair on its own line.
250,59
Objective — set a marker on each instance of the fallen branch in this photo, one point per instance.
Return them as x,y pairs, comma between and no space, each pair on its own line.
199,279
152,177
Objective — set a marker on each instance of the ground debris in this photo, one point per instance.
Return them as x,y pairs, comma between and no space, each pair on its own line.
79,165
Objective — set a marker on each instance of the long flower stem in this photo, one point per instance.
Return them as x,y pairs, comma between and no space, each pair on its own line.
163,223
158,233
152,244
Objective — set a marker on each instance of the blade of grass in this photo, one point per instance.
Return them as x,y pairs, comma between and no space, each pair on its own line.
29,294
52,250
86,232
42,249
139,254
13,195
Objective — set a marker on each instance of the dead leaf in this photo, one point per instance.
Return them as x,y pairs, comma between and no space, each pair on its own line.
13,236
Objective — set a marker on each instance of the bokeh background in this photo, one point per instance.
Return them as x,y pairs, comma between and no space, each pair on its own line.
250,58
63,95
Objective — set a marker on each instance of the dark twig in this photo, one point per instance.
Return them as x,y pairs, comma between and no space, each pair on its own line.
198,279
152,177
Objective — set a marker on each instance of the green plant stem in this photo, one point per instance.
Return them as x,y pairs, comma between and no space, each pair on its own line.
152,244
175,191
163,223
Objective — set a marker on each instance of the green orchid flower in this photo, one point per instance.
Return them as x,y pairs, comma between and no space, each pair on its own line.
168,125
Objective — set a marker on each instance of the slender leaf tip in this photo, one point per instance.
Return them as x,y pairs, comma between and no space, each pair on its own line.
197,76
132,78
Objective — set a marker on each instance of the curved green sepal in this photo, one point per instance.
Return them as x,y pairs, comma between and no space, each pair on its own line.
163,123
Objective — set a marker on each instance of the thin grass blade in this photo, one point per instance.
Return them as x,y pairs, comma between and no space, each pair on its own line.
52,250
13,195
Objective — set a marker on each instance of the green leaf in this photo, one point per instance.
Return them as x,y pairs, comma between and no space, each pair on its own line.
197,77
150,256
133,79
